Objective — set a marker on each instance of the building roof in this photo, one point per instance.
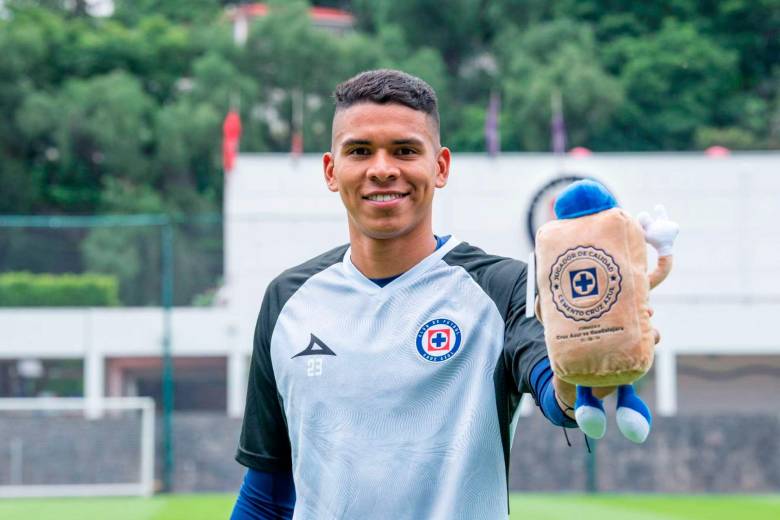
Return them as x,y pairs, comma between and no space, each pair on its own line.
320,15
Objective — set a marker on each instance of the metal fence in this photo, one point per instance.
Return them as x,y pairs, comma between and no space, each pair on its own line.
157,260
136,249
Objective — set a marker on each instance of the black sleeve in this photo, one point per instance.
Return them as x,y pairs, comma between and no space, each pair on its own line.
504,280
524,344
264,444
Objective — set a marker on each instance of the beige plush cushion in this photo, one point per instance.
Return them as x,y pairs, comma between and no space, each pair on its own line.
593,290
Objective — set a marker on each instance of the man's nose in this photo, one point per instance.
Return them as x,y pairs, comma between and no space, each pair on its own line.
382,167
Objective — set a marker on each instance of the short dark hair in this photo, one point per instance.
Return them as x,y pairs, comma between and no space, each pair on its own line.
385,86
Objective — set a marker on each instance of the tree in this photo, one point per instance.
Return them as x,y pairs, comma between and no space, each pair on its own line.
674,80
558,55
131,12
92,128
132,254
139,96
457,29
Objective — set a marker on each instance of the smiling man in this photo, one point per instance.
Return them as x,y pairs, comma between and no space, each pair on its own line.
386,372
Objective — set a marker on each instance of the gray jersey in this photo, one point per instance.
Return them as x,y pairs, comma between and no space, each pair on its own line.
392,402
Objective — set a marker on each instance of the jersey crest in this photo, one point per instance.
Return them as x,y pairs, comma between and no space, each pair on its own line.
438,340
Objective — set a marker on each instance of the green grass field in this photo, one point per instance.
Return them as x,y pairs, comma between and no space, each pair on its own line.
526,507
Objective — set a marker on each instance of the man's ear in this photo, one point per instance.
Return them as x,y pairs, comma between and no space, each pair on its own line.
443,159
327,168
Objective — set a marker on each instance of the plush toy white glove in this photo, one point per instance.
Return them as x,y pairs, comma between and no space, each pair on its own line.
660,232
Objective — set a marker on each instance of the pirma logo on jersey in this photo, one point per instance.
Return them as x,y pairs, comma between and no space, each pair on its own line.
438,340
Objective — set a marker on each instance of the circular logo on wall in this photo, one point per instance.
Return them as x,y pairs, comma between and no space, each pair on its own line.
438,340
585,283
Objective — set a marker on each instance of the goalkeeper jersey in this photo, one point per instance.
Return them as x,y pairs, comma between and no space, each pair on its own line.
397,401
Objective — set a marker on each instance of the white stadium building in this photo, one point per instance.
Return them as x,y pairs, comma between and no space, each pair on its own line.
717,312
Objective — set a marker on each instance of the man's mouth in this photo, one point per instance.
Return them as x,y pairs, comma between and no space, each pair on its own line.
384,197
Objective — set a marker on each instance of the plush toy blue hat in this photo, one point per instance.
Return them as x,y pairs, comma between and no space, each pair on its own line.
584,197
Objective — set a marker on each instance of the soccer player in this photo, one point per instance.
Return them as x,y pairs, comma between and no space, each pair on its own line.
386,372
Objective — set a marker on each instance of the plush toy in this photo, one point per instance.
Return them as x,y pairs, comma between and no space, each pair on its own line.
591,273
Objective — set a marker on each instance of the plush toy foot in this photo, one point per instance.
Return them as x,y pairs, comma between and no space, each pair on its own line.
633,417
589,413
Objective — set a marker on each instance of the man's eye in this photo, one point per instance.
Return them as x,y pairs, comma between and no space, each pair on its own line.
406,151
360,151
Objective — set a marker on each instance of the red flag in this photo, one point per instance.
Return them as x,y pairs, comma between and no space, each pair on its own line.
231,135
296,145
296,141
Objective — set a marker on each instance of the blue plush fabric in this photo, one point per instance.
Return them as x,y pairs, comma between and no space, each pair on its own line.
541,381
627,397
584,197
265,496
585,397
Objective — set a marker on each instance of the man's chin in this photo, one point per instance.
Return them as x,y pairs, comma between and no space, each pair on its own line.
387,232
384,234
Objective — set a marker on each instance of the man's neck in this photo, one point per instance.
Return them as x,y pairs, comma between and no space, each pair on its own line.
383,258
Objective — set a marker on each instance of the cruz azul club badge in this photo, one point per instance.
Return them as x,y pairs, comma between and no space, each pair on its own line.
438,340
585,283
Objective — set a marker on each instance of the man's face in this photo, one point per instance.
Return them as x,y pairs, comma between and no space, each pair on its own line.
386,162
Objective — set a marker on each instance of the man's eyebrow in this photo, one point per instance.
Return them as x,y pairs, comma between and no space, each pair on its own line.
412,140
354,142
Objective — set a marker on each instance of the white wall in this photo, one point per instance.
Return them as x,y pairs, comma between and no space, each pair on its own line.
722,293
722,297
728,210
121,332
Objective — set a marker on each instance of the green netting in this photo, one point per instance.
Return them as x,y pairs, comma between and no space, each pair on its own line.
127,248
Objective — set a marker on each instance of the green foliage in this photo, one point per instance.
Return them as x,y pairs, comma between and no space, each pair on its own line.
633,76
140,96
21,189
23,289
730,137
674,82
184,11
90,129
123,113
133,253
455,29
561,55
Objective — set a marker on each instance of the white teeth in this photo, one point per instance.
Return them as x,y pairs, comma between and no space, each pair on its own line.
384,197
